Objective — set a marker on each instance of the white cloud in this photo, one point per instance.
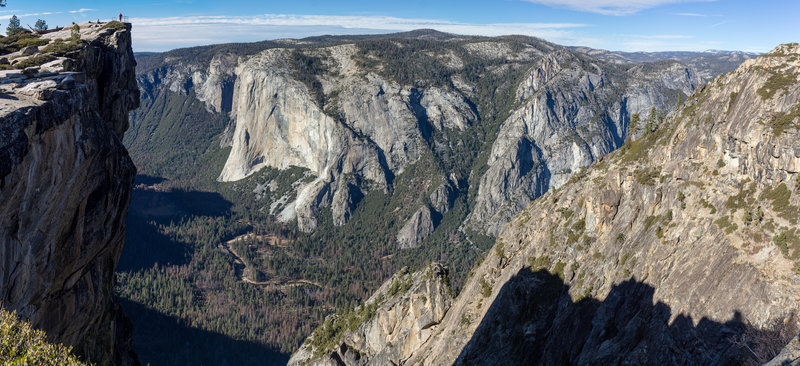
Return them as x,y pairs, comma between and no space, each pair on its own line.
6,17
372,22
158,34
25,15
610,7
697,15
657,36
655,45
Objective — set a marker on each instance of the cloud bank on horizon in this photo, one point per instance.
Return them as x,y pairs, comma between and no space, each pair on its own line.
150,32
610,7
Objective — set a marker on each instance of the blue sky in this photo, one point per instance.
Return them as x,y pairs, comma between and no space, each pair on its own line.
626,25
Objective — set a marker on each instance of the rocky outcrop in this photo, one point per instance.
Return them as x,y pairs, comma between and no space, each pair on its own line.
680,248
572,113
278,124
401,316
372,128
367,132
789,355
416,229
65,186
211,83
501,120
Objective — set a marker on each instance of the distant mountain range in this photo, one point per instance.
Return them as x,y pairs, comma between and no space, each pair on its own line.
707,63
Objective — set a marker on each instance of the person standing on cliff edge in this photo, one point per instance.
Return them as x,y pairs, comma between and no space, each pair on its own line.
120,17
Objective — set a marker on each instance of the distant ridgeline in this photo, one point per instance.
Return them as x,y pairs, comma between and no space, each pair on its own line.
312,170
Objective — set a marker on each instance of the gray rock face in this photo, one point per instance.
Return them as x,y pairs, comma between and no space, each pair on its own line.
211,83
281,126
65,185
416,229
555,132
405,313
357,128
678,249
789,355
571,115
30,50
442,197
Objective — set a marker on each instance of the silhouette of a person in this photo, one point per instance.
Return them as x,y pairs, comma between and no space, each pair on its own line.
120,17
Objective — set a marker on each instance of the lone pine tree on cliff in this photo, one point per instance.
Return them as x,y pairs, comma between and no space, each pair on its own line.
13,26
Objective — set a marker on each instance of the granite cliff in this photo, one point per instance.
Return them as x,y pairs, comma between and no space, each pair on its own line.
679,248
369,127
65,184
503,119
348,158
390,325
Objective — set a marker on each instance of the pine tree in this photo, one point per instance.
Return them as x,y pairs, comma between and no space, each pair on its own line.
75,35
40,25
13,26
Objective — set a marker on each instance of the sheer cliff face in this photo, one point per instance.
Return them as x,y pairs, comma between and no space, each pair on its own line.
65,183
680,248
571,114
393,323
356,124
368,133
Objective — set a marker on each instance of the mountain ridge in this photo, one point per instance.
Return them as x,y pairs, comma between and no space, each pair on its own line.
403,132
644,257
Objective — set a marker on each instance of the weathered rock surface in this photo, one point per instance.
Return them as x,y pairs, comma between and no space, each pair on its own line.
383,126
65,185
789,355
280,126
416,229
680,248
360,119
572,114
401,316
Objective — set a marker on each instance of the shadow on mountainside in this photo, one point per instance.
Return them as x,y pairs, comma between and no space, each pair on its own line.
165,206
144,244
148,180
164,340
534,321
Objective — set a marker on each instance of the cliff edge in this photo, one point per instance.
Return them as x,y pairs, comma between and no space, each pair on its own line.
65,187
679,248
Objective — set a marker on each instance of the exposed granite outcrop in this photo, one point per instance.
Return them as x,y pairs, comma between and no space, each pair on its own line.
789,355
671,218
572,113
680,248
568,114
401,316
416,229
357,127
65,187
